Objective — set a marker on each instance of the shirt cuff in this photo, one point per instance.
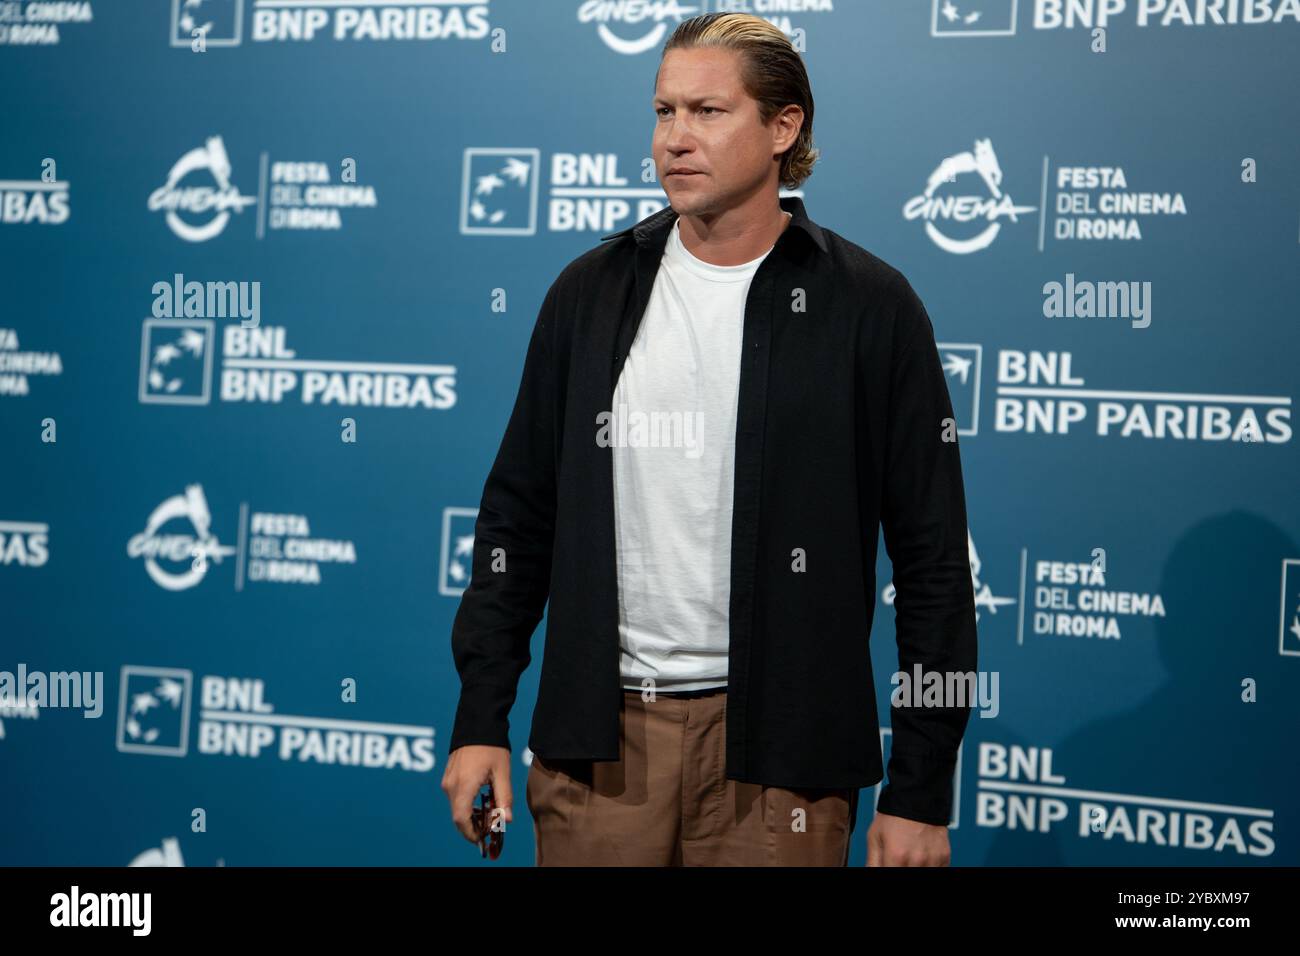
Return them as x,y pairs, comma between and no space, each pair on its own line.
482,716
919,788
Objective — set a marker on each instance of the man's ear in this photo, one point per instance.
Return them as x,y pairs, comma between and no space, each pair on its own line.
788,123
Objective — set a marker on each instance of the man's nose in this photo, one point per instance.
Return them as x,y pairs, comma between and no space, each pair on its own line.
680,136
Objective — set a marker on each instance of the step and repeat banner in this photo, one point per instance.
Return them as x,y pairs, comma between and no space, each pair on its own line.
270,268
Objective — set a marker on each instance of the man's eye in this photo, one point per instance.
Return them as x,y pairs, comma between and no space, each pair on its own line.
703,109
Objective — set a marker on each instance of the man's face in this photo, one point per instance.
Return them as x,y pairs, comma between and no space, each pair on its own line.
706,123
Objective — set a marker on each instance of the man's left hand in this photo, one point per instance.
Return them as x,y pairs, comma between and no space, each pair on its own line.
897,841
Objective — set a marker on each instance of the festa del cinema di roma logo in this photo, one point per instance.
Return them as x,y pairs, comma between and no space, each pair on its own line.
941,209
178,545
194,209
176,561
199,196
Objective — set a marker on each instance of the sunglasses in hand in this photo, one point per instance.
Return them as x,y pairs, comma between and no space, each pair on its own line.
490,839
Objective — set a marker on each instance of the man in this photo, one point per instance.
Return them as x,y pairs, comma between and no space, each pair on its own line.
720,408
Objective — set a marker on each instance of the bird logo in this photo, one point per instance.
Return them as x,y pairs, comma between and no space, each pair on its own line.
514,169
950,13
168,691
190,341
957,366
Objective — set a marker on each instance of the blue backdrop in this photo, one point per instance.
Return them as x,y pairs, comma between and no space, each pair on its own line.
248,502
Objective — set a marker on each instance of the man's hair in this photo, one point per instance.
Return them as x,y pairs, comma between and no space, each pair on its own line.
771,71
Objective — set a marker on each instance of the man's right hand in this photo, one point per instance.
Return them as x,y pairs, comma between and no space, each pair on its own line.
468,769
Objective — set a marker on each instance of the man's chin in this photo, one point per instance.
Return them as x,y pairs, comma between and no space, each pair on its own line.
691,205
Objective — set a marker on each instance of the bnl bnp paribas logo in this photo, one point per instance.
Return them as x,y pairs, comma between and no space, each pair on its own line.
45,202
962,367
24,544
199,197
236,719
1288,629
179,545
457,563
586,192
257,364
201,24
1047,393
1022,789
259,368
997,18
973,18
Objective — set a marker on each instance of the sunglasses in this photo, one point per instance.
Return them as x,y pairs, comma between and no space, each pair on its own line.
490,839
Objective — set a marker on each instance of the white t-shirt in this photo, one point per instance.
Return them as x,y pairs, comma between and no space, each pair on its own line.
674,472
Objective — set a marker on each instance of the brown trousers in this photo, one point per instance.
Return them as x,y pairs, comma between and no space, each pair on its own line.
667,802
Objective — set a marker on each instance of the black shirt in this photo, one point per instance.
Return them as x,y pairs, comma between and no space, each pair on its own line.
840,432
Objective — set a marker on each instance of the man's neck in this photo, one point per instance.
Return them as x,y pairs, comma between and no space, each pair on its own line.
733,242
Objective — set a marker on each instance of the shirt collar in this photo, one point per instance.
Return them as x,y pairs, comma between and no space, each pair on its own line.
653,230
